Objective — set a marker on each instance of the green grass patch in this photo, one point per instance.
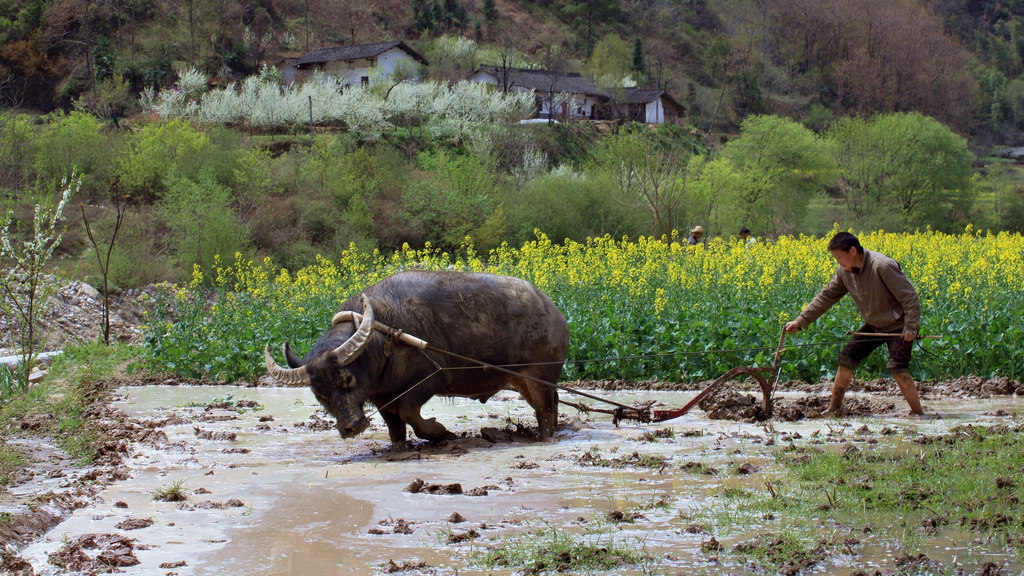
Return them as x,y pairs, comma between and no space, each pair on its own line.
10,460
966,481
8,383
57,406
923,478
551,550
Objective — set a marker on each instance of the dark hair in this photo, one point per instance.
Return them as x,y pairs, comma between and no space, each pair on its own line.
844,241
744,230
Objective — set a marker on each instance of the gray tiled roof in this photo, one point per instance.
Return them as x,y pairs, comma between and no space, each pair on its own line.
354,52
546,80
636,96
642,96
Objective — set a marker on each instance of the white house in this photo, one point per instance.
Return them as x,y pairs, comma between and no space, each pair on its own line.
558,94
359,64
652,106
564,94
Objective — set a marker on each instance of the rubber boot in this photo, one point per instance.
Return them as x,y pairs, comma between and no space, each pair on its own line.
909,391
844,376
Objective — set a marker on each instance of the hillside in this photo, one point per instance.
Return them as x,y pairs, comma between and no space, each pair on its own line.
811,60
800,115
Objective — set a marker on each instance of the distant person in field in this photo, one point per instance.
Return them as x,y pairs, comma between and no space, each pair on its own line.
695,235
746,237
888,304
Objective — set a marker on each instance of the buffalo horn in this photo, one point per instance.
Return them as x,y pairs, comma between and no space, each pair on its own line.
286,376
351,348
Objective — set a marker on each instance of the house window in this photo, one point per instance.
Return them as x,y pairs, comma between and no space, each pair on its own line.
365,81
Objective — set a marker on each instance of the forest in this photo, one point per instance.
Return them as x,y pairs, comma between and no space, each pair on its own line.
800,115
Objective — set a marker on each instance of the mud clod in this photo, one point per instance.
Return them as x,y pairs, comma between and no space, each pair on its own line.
471,534
134,524
96,552
391,567
216,436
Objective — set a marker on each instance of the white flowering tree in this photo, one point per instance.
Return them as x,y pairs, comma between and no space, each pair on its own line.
25,291
467,105
261,103
180,100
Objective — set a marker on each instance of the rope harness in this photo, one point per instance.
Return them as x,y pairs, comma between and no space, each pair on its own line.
641,412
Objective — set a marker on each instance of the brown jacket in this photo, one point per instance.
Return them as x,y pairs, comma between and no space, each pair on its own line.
886,299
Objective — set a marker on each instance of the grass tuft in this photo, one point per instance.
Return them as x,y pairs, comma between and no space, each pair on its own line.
176,492
550,550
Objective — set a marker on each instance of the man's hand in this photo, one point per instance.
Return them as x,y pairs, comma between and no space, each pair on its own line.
909,335
794,327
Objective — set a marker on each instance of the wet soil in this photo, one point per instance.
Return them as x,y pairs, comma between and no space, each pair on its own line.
51,487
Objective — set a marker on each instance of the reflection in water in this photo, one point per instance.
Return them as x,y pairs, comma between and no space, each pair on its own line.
317,504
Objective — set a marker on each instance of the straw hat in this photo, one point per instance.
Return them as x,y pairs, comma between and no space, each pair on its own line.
697,229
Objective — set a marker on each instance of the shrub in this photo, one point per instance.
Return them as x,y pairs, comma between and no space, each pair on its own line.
155,153
25,287
17,149
202,224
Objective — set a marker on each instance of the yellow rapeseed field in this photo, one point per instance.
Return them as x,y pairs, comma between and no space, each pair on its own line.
637,308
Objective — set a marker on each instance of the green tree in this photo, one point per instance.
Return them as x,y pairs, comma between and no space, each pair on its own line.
904,164
156,152
425,14
712,196
646,172
203,226
783,167
454,200
610,61
453,15
18,146
1015,102
74,143
999,202
489,11
103,58
343,170
575,206
585,16
638,64
110,99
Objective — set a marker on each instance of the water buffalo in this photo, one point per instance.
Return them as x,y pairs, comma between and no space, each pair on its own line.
494,319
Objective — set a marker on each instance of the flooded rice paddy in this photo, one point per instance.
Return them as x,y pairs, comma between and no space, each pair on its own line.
272,489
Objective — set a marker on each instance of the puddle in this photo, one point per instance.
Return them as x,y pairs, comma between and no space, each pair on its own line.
271,492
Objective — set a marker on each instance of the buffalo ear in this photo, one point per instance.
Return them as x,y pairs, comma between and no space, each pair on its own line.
289,356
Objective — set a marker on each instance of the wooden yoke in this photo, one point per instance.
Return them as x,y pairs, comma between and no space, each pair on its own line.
350,316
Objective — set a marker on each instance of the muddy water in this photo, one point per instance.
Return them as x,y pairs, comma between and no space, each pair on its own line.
283,498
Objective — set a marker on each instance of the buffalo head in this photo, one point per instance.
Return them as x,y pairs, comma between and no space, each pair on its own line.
330,376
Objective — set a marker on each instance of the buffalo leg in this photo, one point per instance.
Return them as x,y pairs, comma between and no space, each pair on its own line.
543,398
396,426
427,429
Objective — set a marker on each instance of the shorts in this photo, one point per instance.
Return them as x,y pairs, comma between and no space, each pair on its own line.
859,347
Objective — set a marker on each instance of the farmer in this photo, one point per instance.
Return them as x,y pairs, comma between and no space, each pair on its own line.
695,235
888,304
746,237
